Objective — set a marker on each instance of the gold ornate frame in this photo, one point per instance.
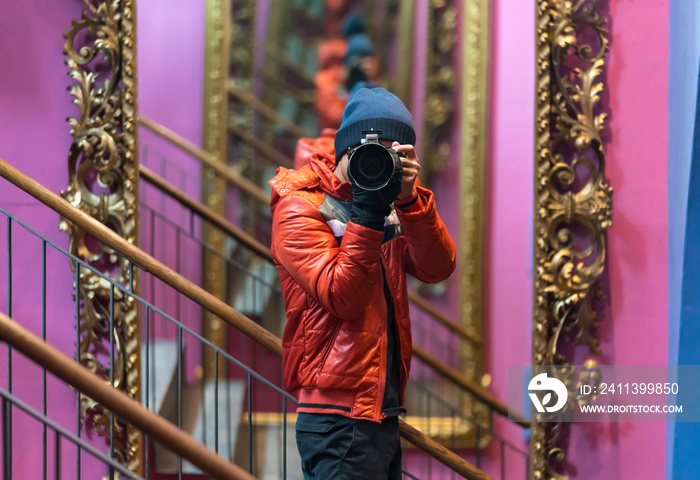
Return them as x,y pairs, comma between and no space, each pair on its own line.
104,183
216,60
572,199
402,84
475,51
440,114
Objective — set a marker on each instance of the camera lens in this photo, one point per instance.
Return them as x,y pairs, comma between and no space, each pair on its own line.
372,163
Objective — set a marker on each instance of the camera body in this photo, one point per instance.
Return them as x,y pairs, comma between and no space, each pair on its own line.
372,165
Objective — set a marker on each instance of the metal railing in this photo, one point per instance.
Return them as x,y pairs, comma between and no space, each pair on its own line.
8,402
149,265
247,381
85,382
491,451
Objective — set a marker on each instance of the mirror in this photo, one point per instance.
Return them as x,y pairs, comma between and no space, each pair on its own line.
263,65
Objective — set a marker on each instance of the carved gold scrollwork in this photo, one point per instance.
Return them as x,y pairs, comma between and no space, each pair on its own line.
103,182
573,202
241,66
241,57
440,90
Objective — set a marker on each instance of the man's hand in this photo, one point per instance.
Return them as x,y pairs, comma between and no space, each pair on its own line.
368,207
411,167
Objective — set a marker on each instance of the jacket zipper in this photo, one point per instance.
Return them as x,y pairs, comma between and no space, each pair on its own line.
327,350
398,343
385,340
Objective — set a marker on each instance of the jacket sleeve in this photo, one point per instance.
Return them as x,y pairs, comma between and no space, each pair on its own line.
431,253
340,278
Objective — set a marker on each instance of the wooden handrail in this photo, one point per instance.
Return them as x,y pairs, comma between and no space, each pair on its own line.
305,96
228,228
267,111
435,450
145,261
207,159
268,152
84,381
192,291
470,386
283,57
414,298
205,212
428,308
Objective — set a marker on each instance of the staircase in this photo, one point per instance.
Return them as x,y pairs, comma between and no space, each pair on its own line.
248,259
259,441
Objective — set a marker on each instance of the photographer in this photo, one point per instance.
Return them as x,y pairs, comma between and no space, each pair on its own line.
346,231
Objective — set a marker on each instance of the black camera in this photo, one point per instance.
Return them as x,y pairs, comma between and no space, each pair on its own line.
372,165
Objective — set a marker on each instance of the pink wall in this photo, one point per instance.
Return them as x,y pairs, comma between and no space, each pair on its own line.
634,324
171,91
171,65
509,187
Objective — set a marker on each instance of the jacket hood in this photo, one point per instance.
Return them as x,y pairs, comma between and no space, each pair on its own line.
316,174
308,146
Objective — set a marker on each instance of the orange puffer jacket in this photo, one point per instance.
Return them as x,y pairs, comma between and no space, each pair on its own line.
331,272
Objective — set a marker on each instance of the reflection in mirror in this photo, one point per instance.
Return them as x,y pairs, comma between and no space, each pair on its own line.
302,62
277,77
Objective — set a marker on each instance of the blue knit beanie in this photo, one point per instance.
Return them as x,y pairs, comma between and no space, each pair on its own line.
374,109
358,46
353,25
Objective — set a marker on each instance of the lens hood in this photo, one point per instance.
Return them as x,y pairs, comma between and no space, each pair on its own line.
372,165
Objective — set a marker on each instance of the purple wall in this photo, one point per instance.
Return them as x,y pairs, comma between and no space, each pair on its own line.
509,190
171,64
170,79
634,326
171,84
35,138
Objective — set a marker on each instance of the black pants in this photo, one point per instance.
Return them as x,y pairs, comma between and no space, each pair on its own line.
334,447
